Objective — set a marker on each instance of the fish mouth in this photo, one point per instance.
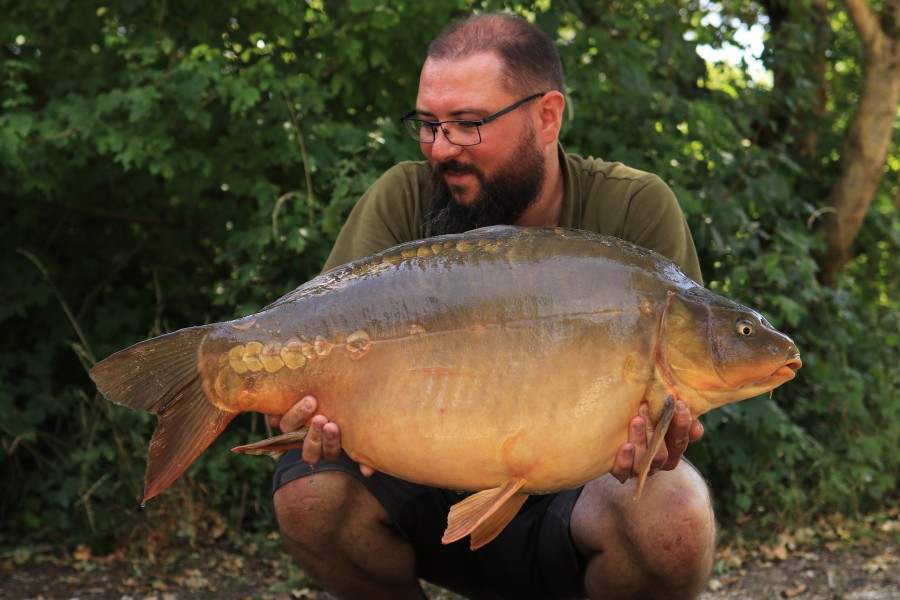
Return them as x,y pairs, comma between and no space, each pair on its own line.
788,370
763,385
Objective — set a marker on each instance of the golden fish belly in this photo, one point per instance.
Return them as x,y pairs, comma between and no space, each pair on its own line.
472,405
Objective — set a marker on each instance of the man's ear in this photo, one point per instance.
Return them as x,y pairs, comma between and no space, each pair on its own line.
553,104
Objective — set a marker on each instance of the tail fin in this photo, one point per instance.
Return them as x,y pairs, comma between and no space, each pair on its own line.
162,376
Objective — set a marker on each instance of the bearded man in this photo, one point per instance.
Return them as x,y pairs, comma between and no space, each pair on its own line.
487,119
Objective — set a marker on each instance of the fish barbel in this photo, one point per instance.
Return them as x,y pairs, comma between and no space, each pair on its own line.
507,361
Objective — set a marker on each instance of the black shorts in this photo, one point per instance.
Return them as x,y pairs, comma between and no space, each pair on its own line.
533,557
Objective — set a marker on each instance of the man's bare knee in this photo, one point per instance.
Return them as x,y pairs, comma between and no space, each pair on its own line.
687,546
307,508
341,536
659,546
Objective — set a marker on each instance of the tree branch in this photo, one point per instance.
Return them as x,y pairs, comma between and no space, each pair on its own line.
865,21
867,139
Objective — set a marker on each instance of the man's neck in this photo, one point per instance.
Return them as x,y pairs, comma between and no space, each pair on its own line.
545,212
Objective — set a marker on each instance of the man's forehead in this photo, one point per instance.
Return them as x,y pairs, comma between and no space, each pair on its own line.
474,79
475,63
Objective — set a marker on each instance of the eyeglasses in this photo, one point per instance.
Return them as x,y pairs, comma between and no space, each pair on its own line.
461,132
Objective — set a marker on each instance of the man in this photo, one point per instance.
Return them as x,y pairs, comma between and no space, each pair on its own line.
487,117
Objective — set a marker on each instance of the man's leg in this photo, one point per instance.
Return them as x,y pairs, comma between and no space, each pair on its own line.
661,546
342,536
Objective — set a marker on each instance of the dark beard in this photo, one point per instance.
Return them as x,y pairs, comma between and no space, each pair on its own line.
502,200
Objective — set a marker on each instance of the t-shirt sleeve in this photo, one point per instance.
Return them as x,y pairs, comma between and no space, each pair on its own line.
653,219
630,204
387,214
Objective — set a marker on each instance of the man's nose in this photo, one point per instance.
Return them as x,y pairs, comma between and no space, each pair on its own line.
442,148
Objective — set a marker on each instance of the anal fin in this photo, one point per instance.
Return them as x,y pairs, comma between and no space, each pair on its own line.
485,514
659,434
275,446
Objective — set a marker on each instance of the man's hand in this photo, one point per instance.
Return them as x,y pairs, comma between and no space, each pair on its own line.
324,438
630,455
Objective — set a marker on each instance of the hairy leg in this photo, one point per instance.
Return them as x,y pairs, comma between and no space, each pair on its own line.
661,546
340,534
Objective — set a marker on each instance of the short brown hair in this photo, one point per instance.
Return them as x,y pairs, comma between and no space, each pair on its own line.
531,61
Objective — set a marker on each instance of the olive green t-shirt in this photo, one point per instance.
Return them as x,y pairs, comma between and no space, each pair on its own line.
600,196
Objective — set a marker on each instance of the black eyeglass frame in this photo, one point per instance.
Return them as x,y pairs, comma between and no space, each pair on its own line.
435,125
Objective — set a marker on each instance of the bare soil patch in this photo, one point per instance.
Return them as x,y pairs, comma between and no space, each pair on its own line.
860,567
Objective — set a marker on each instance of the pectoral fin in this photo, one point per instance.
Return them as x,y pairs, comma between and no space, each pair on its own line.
659,434
275,446
484,514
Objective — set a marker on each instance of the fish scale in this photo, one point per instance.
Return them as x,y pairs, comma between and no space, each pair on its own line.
504,361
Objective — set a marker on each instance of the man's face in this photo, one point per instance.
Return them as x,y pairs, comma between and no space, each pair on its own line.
495,181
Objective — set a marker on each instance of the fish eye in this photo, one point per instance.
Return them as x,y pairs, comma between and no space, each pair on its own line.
745,328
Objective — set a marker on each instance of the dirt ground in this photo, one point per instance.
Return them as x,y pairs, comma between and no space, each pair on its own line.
850,569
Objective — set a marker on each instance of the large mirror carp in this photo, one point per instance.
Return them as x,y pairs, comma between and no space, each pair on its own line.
506,361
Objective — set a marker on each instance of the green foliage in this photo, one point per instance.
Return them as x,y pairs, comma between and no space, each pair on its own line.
169,164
